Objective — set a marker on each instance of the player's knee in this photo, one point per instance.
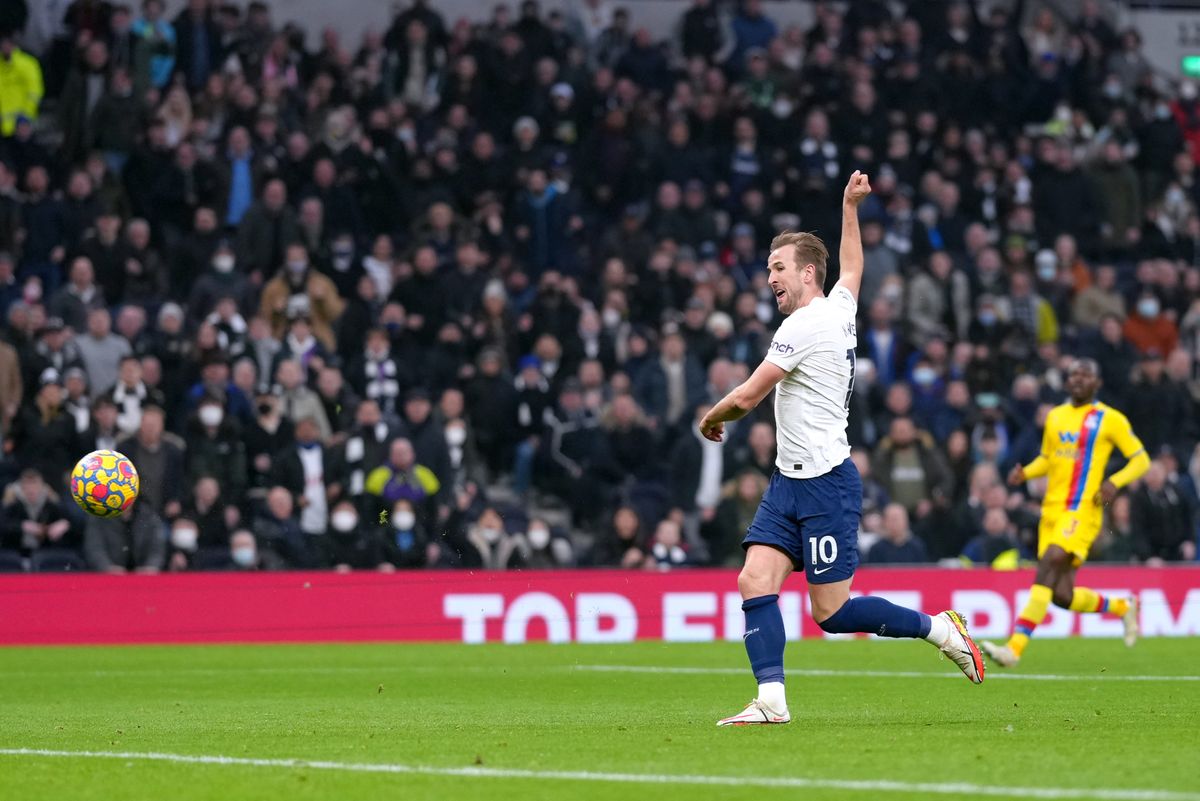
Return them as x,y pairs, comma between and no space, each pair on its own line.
752,583
827,618
1062,598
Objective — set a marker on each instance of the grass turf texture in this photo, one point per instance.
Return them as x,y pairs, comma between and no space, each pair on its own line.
536,707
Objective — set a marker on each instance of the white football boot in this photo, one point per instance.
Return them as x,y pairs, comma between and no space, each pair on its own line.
1130,620
1002,655
756,712
961,649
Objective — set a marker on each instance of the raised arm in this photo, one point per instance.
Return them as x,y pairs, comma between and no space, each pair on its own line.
850,255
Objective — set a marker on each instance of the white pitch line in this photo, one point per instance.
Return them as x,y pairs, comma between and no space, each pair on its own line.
871,785
883,674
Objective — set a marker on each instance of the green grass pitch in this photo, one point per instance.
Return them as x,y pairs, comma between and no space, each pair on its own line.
1078,719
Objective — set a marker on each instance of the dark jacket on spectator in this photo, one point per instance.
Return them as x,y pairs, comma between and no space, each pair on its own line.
1162,521
132,540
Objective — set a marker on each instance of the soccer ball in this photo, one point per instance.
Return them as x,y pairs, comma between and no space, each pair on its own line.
104,483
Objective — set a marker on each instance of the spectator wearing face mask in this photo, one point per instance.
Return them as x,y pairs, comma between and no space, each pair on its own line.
344,267
298,286
183,545
546,549
349,545
244,554
215,448
221,279
464,463
403,537
1148,328
490,546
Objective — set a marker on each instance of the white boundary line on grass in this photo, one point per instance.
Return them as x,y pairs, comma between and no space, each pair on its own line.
884,674
665,669
874,785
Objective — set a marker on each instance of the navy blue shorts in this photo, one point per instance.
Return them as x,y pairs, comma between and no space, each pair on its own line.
814,521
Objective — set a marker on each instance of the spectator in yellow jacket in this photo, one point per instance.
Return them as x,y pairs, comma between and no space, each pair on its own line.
20,85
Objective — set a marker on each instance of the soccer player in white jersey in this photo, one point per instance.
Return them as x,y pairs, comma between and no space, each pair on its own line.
810,513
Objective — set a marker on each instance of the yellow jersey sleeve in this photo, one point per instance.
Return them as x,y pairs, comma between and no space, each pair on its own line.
1121,434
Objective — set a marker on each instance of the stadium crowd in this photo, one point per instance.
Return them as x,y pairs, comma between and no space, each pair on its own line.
456,294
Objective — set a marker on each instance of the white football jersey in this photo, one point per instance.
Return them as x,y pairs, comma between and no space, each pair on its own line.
815,345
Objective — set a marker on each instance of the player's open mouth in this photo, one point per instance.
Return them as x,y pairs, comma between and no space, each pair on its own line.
778,294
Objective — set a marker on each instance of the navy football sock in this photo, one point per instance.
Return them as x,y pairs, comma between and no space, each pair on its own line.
877,616
764,637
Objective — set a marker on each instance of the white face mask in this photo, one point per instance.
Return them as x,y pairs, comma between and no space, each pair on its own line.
456,436
1047,272
611,318
244,556
404,521
344,520
1148,307
539,537
925,376
490,534
211,415
184,538
223,263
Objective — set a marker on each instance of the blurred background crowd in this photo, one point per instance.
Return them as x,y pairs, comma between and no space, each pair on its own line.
454,295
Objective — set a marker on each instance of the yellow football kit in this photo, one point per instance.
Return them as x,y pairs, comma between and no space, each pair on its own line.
1075,449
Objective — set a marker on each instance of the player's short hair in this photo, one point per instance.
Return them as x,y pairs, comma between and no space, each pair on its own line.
809,249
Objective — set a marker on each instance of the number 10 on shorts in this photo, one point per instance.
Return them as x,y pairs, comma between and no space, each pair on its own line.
825,548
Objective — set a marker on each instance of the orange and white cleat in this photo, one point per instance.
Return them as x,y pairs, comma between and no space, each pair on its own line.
756,713
961,648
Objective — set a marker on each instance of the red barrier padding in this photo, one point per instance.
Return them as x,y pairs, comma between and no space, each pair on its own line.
561,606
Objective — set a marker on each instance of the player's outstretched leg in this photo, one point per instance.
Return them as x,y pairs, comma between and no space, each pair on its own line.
947,631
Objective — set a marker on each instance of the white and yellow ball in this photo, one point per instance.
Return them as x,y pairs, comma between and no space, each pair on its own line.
104,483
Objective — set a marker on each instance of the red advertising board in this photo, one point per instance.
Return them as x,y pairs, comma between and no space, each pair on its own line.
561,606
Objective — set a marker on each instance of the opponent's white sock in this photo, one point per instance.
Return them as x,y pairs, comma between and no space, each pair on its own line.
771,693
939,630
